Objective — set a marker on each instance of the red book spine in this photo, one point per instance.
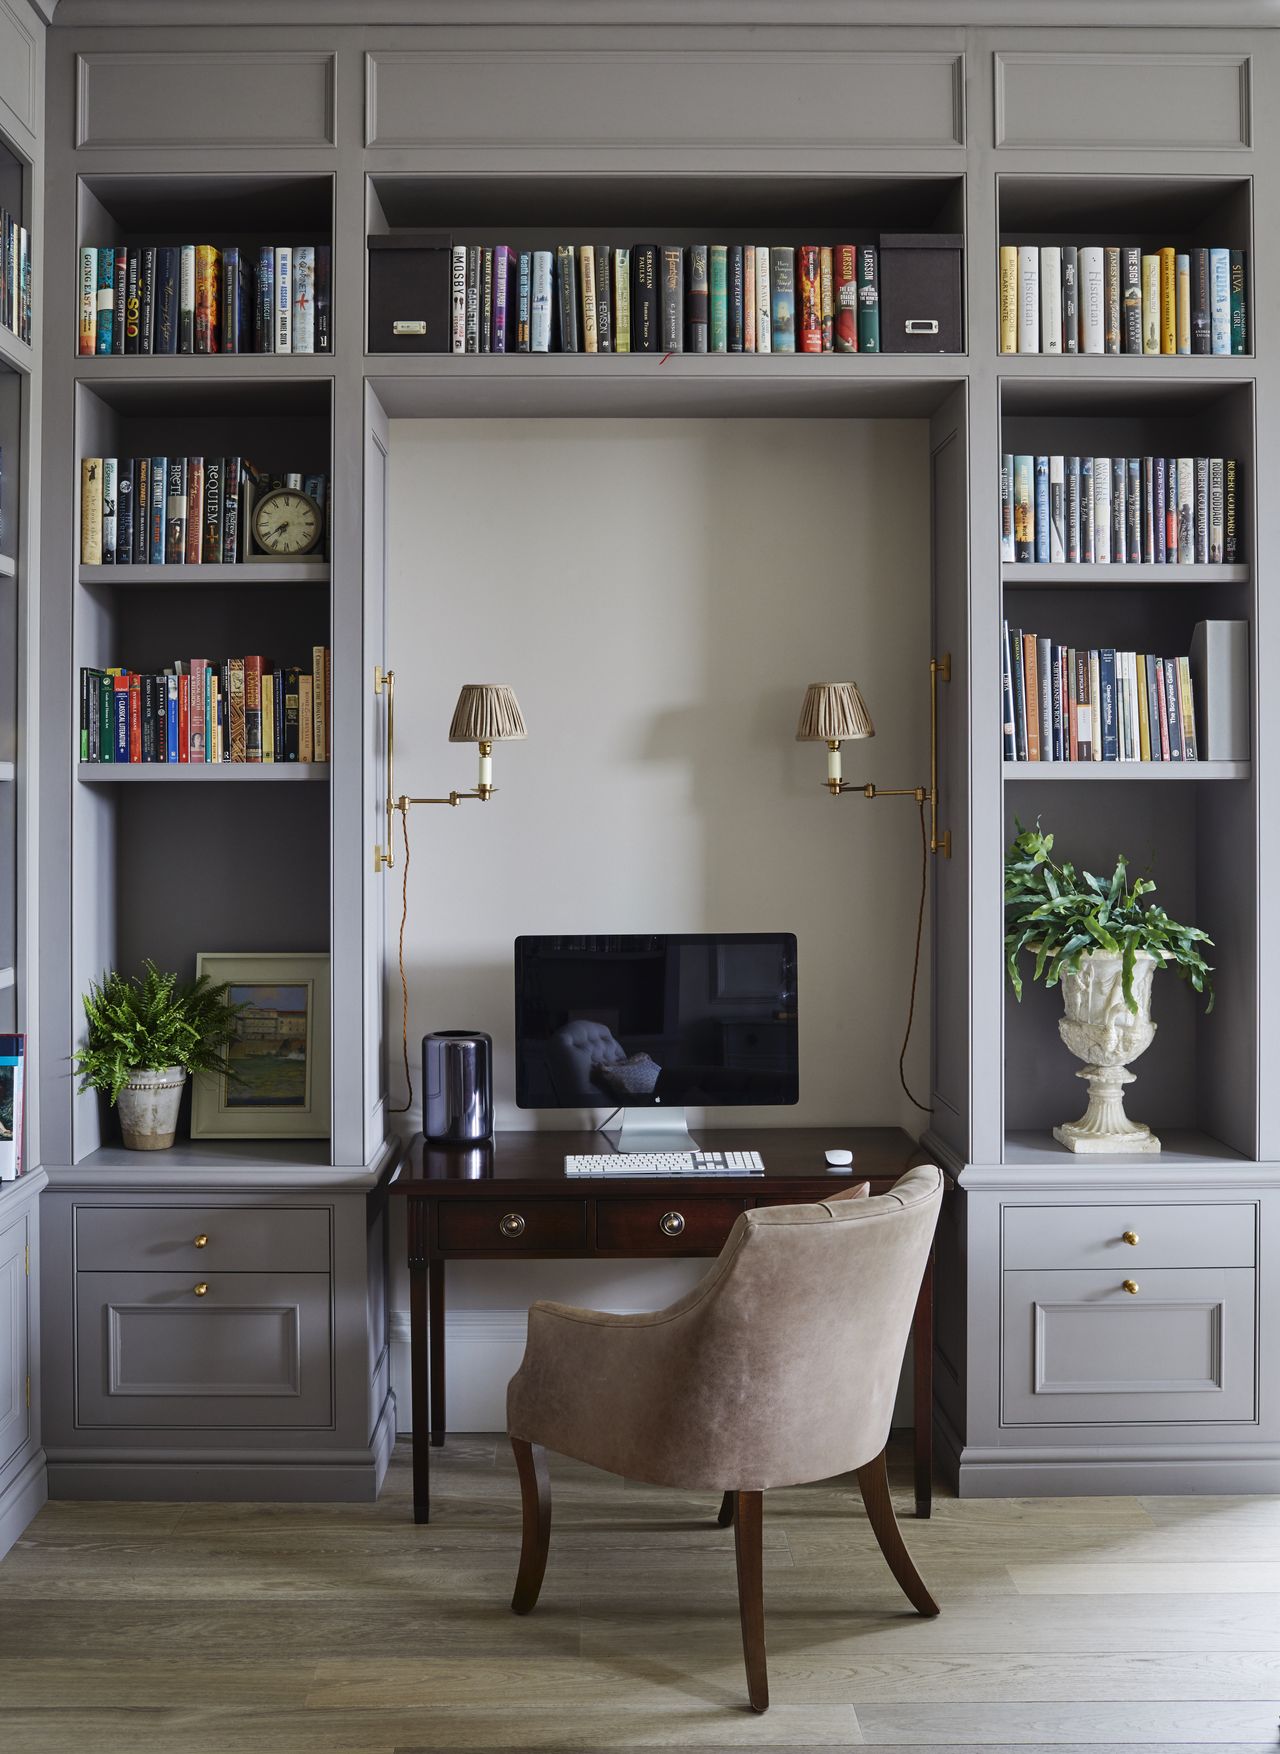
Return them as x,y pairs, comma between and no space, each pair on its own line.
846,278
135,718
808,272
195,509
184,718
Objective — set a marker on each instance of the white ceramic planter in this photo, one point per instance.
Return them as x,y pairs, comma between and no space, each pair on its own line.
148,1107
1100,1029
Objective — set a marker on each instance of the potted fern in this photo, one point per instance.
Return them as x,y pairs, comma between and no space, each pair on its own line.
144,1035
1103,942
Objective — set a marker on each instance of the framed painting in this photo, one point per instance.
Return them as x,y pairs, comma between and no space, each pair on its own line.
280,1057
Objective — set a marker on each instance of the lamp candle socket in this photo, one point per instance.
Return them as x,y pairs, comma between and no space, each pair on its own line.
834,766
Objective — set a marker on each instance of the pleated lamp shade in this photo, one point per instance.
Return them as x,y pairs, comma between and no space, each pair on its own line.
487,712
832,712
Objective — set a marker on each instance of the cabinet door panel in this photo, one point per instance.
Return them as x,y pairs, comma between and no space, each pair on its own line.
1081,1350
15,1415
252,1349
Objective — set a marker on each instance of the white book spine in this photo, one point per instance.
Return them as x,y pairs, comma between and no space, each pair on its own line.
1102,510
304,299
458,300
284,299
1220,301
1051,299
1151,304
763,304
1186,511
1028,299
540,303
1008,548
1057,510
1093,326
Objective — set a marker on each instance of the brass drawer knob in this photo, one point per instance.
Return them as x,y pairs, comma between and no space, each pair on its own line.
671,1223
1132,1287
1131,1237
511,1224
201,1290
202,1241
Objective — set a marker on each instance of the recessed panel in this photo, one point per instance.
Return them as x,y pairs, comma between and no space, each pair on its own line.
252,99
1109,101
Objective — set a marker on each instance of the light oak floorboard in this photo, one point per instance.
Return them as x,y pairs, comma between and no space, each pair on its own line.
1179,1577
1079,1722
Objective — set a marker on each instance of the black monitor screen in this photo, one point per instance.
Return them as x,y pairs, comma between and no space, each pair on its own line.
687,1018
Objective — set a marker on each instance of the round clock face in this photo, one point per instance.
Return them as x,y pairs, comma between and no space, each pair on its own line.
287,522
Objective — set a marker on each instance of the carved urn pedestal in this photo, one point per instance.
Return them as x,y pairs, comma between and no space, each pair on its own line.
1100,1029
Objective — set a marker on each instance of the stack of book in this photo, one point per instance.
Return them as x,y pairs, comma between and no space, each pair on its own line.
668,298
197,298
175,511
1064,704
1107,510
15,277
203,710
1094,298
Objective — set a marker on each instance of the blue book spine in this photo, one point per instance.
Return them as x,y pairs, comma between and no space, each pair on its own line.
1042,510
171,719
1220,301
264,333
231,299
1086,509
105,313
156,510
1107,683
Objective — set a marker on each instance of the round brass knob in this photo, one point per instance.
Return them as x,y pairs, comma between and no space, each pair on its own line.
202,1241
201,1290
671,1223
1131,1237
1132,1287
511,1224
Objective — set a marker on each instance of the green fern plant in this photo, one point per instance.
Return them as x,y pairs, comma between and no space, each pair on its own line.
152,1021
1059,915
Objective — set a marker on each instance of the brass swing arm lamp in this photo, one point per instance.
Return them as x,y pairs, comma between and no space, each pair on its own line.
835,711
486,713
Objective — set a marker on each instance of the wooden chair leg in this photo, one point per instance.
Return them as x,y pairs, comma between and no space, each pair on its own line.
535,1508
724,1516
873,1482
748,1543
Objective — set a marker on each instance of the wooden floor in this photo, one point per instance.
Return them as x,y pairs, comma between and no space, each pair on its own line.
1098,1624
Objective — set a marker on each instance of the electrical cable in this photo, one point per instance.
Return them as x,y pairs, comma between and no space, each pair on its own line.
915,967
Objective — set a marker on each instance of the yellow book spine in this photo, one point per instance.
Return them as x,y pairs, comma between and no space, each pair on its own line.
622,301
268,716
91,511
1183,304
1168,301
1151,304
587,274
1008,298
1144,710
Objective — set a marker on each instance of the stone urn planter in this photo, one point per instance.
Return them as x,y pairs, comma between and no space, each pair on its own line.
148,1108
1100,1029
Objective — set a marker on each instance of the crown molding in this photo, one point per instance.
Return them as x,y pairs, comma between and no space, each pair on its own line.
1190,14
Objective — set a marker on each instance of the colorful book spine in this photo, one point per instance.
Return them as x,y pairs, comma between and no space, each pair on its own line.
622,299
283,299
764,301
868,298
809,298
782,298
1220,301
88,333
1008,298
718,278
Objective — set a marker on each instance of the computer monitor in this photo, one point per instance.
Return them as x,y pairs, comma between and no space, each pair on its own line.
653,1024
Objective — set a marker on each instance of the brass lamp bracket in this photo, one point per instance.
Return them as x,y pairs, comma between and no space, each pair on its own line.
384,857
939,839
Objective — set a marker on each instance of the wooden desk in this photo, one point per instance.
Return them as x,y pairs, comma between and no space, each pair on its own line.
511,1200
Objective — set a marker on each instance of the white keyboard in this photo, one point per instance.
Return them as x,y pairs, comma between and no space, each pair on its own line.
665,1163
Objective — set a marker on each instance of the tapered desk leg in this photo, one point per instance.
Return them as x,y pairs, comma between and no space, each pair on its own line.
922,1370
435,1334
418,1388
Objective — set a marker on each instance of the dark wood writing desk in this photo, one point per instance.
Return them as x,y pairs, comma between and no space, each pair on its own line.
511,1200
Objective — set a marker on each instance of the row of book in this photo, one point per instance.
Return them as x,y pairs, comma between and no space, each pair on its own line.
1062,703
175,511
670,298
197,298
1106,510
1091,298
15,277
201,710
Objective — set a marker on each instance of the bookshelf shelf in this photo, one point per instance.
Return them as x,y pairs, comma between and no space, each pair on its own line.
151,368
1086,576
14,354
1180,1149
8,567
180,773
210,578
200,1157
1087,772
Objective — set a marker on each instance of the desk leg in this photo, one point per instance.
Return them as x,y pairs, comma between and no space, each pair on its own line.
418,1387
435,1332
922,1368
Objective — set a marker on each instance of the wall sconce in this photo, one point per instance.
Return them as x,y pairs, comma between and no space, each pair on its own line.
486,713
835,711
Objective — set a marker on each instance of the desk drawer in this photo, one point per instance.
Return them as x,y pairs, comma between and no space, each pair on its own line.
236,1239
513,1224
685,1226
1082,1237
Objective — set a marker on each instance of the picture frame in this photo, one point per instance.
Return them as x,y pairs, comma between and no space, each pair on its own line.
283,1054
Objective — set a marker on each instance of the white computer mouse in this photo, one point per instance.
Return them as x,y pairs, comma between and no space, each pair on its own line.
839,1159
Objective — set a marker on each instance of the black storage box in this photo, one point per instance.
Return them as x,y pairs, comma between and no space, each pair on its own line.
410,292
920,292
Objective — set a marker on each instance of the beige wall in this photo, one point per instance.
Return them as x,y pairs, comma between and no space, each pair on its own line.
659,593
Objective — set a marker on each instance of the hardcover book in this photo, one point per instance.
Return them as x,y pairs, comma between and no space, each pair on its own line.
672,298
646,326
186,298
1070,299
868,298
622,299
718,277
764,301
1028,298
587,275
540,304
1111,298
698,299
782,299
1008,297
827,287
1051,298
808,274
304,299
208,277
846,279
1131,298
604,299
567,299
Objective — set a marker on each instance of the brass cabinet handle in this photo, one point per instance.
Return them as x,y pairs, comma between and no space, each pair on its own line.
671,1223
511,1224
1132,1287
202,1241
201,1290
1131,1237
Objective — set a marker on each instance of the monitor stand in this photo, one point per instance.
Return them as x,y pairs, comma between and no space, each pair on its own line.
654,1129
